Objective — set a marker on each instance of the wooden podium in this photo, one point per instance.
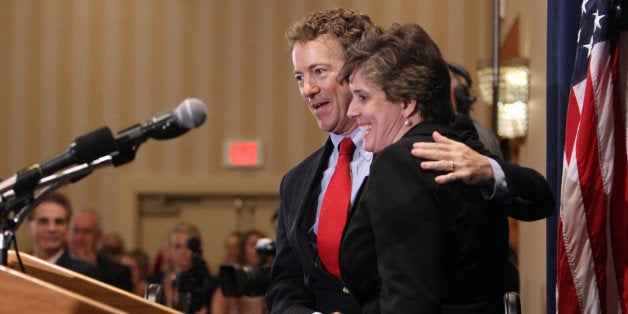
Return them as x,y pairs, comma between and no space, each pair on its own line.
50,288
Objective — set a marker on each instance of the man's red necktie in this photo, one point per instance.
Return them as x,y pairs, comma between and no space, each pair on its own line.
333,215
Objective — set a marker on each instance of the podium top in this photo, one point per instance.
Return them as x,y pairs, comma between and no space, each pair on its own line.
85,286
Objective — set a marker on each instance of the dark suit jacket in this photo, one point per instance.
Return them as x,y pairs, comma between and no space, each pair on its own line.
70,262
413,246
114,273
298,283
530,197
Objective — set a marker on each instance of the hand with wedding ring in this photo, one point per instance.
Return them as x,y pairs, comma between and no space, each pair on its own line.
459,161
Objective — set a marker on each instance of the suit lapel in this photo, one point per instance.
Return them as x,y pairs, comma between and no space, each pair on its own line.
357,199
308,188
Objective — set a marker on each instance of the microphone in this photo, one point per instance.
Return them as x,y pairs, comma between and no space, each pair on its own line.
84,149
189,114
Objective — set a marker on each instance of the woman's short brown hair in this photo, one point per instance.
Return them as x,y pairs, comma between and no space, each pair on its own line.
407,64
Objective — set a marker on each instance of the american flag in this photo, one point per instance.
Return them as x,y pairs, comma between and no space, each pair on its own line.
592,248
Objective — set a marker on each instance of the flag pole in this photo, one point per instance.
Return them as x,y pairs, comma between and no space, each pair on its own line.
495,62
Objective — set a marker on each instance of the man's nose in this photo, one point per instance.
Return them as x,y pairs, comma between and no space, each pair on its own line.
310,88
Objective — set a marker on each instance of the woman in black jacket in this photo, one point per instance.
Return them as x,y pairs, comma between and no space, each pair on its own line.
411,245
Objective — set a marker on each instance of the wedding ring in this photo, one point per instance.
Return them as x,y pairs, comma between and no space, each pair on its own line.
451,165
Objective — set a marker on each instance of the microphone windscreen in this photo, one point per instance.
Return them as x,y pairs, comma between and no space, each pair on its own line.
94,145
190,113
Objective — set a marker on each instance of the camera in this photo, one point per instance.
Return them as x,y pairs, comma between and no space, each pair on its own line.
246,280
196,284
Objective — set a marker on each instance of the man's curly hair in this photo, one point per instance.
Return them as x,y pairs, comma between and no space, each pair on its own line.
344,24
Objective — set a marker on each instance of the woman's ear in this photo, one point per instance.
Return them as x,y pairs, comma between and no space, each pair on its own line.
409,107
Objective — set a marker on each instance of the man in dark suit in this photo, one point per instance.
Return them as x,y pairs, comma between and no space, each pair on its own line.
48,226
69,261
299,281
83,238
300,284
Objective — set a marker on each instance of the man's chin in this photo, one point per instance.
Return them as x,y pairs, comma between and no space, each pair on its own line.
325,127
52,249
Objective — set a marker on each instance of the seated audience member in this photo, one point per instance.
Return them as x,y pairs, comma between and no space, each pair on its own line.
251,257
181,258
162,263
83,239
249,248
112,246
137,261
48,226
412,245
232,255
233,248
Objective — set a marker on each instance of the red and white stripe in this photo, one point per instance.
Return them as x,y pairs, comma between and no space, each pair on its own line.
592,260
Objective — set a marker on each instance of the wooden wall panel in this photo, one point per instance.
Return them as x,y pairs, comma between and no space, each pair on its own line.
72,67
68,67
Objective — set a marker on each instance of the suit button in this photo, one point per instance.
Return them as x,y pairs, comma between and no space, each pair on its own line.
345,290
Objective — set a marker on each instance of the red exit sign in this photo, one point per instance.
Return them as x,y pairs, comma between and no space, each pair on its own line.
243,154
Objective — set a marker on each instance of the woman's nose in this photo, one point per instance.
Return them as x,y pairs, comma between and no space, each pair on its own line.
352,111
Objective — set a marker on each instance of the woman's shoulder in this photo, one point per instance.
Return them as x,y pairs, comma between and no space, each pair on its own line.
398,155
422,132
403,146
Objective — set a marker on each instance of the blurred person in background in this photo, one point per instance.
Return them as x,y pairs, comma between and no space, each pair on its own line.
181,258
251,257
233,254
112,246
233,247
83,239
253,305
248,257
137,261
48,225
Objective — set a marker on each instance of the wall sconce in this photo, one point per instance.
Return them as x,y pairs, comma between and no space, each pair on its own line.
514,87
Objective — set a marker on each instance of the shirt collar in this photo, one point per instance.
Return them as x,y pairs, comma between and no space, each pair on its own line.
56,257
358,140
